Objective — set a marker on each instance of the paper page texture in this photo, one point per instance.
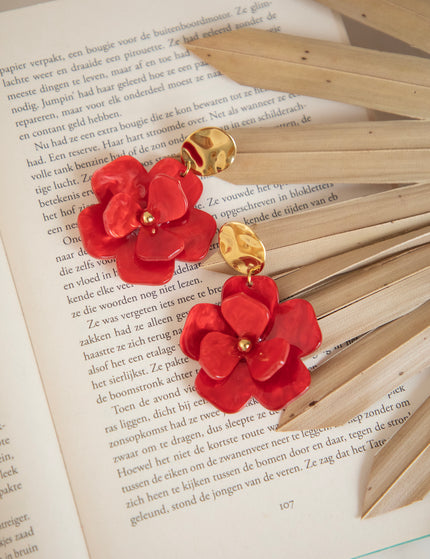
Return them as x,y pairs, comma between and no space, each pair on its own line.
38,517
154,468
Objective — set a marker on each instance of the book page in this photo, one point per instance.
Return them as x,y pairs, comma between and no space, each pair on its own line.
154,468
38,517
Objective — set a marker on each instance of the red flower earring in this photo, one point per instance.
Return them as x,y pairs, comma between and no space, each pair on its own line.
250,345
146,220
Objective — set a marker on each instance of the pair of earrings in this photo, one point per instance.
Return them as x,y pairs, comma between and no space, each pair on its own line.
250,345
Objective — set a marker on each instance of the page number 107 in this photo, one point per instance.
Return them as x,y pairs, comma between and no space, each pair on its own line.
287,505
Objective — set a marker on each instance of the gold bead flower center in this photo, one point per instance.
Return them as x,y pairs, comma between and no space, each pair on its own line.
244,345
147,218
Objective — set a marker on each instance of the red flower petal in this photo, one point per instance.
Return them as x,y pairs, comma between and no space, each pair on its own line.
193,188
120,215
191,184
197,231
269,356
94,237
263,289
156,244
288,383
295,321
166,199
201,319
228,395
247,316
218,354
124,174
133,270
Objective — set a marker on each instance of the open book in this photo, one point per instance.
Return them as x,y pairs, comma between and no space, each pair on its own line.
106,450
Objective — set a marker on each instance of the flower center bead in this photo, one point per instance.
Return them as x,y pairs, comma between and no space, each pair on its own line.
244,345
147,218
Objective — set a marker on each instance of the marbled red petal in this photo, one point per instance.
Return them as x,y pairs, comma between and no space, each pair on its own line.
202,319
295,321
197,231
191,184
124,174
228,395
267,358
246,315
218,354
263,289
156,244
289,382
166,199
132,269
120,215
96,241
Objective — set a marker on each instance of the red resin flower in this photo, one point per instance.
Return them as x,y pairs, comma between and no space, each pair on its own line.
146,220
251,345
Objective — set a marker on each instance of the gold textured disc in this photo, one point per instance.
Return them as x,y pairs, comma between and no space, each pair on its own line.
208,151
241,248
